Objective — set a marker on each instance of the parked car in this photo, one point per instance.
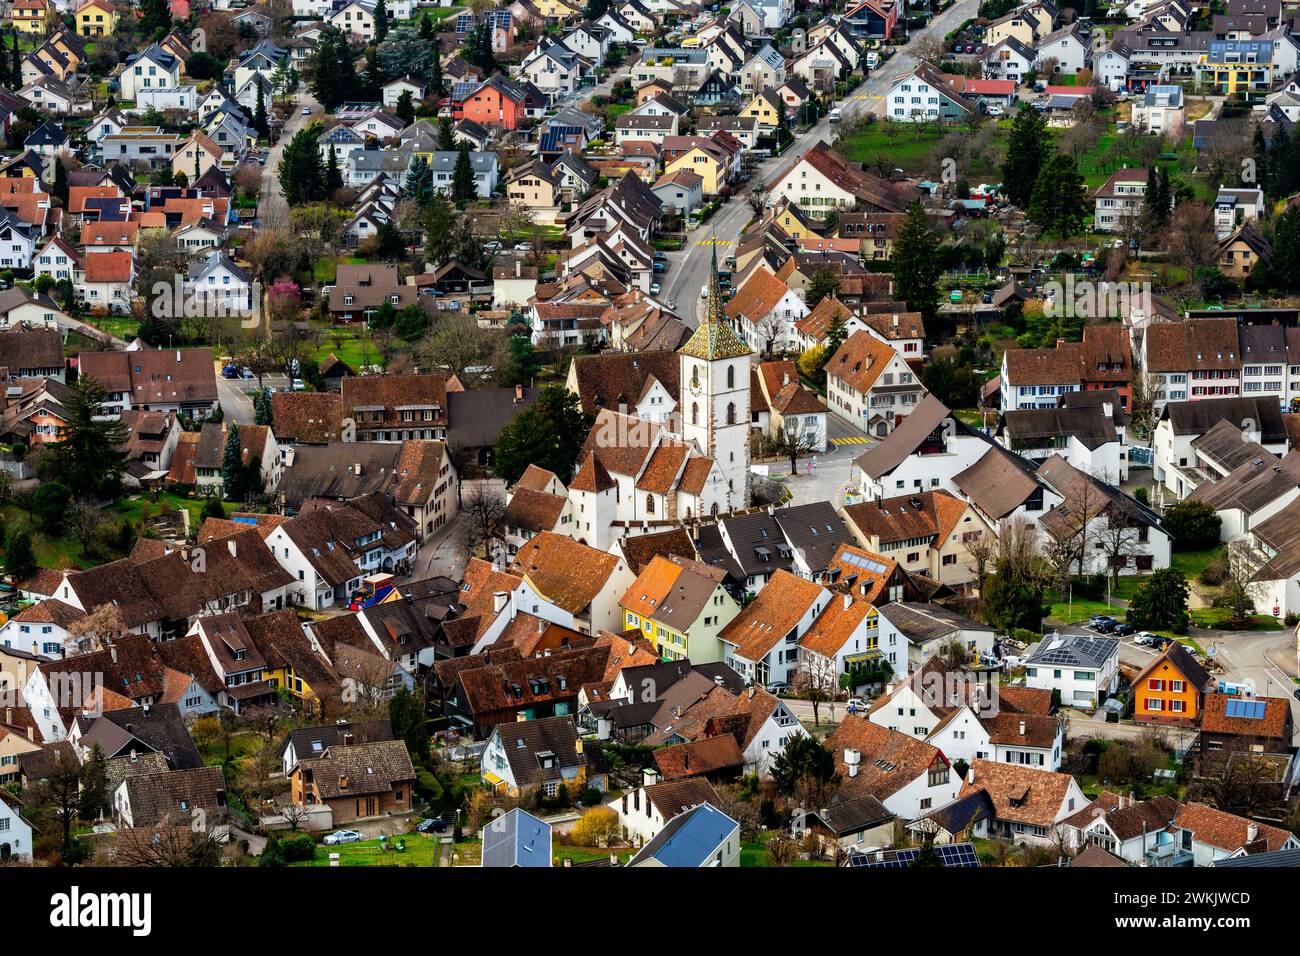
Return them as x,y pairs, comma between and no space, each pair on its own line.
1106,627
987,298
1014,660
661,267
230,371
1143,637
1124,630
523,247
654,288
1099,619
995,110
306,111
1296,693
704,292
432,825
856,704
777,687
341,836
660,256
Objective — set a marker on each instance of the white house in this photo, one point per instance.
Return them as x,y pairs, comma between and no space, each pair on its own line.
15,832
1083,668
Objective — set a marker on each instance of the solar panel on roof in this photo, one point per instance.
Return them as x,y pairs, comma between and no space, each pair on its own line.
464,22
1246,709
950,855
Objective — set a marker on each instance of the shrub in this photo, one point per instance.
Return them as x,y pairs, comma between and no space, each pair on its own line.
1194,525
1215,572
298,848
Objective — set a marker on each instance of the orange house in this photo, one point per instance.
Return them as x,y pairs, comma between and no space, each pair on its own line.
1172,688
499,102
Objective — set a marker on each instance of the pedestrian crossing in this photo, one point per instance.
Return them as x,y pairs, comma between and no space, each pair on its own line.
850,441
713,242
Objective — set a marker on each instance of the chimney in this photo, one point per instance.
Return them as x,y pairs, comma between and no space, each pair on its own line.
970,776
178,356
498,601
1252,832
519,268
230,543
31,733
1108,409
895,320
519,394
848,601
577,746
1022,728
650,776
112,652
1060,342
785,379
356,468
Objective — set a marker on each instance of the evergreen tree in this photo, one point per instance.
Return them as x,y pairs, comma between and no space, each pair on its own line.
405,109
1060,201
20,556
262,408
334,75
88,456
1027,151
477,49
435,67
212,508
916,267
1156,202
155,15
94,798
381,21
1284,270
446,137
927,856
260,121
1259,153
548,433
60,181
463,189
824,282
419,182
426,26
439,229
232,464
333,175
15,66
372,80
302,176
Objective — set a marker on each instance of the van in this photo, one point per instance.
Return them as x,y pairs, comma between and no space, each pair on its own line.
873,60
836,115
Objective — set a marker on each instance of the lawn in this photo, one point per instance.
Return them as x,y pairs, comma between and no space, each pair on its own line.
585,854
908,149
1080,609
1218,618
754,853
64,552
421,850
133,508
615,110
123,326
1193,563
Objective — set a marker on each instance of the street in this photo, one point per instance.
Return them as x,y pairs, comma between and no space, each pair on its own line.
272,210
690,267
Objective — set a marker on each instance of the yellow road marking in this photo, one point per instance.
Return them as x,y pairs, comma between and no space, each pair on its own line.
849,441
713,242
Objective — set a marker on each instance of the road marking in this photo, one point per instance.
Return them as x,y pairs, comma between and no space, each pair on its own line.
850,441
713,242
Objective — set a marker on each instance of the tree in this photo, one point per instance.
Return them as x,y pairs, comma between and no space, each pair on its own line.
549,433
15,65
1011,600
825,282
1157,203
419,182
95,798
1027,150
805,770
446,135
98,630
793,444
232,464
155,15
58,795
372,77
463,188
916,267
20,556
477,49
302,176
88,456
599,826
817,681
334,75
1193,525
485,509
405,109
202,66
410,725
381,21
333,175
426,26
172,842
1060,201
1118,540
435,65
1160,603
60,181
260,121
1240,590
1145,393
927,856
212,508
756,196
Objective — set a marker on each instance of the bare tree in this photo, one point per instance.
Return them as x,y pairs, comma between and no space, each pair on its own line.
793,444
1118,539
756,196
97,630
1145,393
1240,590
172,842
817,680
485,509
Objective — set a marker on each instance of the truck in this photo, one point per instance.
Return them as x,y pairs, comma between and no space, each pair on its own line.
1237,688
873,60
375,589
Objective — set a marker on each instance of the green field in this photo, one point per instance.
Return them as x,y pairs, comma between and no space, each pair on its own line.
421,850
1193,563
905,147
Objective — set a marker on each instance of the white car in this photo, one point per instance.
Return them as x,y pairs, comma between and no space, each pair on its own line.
856,705
306,111
704,292
995,111
1143,637
341,836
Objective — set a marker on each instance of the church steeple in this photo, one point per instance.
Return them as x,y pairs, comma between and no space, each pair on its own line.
715,338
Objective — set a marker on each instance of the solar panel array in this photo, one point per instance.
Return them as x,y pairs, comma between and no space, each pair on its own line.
1078,648
1249,709
951,855
875,567
464,22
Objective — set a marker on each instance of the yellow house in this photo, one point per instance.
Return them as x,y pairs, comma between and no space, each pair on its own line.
14,743
196,156
95,18
681,607
30,16
766,107
557,9
703,162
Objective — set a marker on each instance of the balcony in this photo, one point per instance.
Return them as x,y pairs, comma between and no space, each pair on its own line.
1167,854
